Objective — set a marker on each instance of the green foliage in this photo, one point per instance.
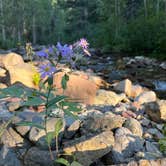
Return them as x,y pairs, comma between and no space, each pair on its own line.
58,127
32,124
55,100
66,162
128,26
162,142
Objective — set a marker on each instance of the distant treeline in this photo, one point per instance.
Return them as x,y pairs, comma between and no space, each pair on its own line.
118,25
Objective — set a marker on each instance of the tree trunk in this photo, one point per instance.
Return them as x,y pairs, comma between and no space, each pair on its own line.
19,35
34,29
116,18
157,7
145,8
2,21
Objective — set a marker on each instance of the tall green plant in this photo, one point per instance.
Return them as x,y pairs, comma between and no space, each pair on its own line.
45,94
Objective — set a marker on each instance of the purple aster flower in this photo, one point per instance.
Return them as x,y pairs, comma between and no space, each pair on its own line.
51,50
42,53
46,70
45,52
65,51
83,43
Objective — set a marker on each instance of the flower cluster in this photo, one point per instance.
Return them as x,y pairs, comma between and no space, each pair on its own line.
69,53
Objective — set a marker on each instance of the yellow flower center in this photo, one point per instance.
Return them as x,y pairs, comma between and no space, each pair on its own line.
47,69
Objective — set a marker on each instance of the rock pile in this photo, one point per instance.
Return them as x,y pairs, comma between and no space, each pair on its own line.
120,127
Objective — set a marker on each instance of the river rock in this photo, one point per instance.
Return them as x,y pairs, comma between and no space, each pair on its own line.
136,90
2,86
38,136
157,110
89,149
11,138
2,72
156,133
108,98
72,129
37,157
79,87
146,97
102,123
13,106
124,87
11,59
8,157
163,65
134,126
126,145
151,148
23,73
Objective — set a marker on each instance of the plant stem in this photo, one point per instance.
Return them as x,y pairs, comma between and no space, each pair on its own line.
45,121
57,148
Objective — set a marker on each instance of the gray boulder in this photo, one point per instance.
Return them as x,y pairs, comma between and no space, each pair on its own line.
8,157
126,145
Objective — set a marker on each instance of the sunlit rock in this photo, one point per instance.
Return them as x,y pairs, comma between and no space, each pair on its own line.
156,110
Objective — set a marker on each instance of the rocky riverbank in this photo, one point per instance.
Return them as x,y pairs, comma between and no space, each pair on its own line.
121,121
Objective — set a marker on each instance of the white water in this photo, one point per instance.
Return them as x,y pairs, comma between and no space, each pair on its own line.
160,85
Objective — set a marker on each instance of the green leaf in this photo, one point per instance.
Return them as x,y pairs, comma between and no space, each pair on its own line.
2,95
75,163
33,101
73,107
13,91
35,93
69,113
56,100
58,127
62,161
64,81
49,137
32,124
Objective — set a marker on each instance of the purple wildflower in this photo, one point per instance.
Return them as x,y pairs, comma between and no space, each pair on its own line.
45,52
83,43
46,70
65,51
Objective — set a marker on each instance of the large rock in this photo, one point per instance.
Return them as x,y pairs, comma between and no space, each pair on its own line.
126,145
136,90
124,87
79,87
37,157
23,73
87,150
38,136
156,110
72,129
159,162
11,138
151,148
2,72
108,98
146,97
28,116
8,157
2,86
102,123
10,59
134,126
